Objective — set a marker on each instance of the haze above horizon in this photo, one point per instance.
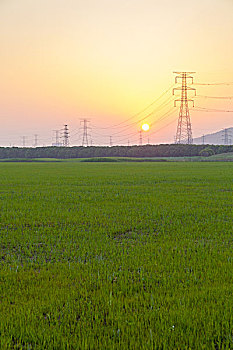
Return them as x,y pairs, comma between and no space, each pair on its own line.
107,60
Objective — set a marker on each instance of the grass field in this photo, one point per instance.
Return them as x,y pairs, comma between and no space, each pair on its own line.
116,255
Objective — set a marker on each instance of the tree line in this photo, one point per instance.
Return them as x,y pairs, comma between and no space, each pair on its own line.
163,150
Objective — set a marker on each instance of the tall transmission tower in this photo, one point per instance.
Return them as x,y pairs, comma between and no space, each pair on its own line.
85,122
140,137
36,140
203,139
226,137
57,137
184,128
110,141
65,136
23,140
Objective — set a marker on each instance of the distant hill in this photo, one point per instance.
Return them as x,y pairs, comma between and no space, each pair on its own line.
216,138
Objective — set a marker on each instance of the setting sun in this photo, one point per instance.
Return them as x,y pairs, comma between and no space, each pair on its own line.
145,127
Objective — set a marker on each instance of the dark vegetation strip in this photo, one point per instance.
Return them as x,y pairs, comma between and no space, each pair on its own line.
172,150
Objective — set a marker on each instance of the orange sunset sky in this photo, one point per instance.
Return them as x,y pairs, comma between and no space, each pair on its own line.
106,60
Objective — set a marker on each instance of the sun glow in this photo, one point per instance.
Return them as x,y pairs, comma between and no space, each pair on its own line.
145,127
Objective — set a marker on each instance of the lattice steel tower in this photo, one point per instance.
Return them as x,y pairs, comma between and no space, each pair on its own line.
184,128
110,141
85,132
36,140
65,136
226,137
140,137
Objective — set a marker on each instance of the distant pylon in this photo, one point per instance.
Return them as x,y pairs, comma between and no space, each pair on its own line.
140,137
57,136
65,136
24,140
85,122
184,128
36,140
203,139
226,137
110,141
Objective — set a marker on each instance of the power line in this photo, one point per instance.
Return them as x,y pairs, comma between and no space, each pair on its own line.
163,127
77,133
151,133
162,117
142,111
155,132
204,109
165,116
217,97
141,120
213,84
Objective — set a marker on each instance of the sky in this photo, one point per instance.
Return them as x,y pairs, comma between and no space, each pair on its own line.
107,60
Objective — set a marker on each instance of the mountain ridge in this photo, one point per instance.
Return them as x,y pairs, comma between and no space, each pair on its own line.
216,138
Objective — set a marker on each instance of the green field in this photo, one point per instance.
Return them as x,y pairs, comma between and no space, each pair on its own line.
116,255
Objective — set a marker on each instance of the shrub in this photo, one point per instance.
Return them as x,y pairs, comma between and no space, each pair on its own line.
207,152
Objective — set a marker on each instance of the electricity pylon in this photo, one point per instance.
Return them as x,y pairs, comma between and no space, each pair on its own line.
36,140
184,128
57,141
23,140
226,137
140,137
85,131
65,136
203,139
